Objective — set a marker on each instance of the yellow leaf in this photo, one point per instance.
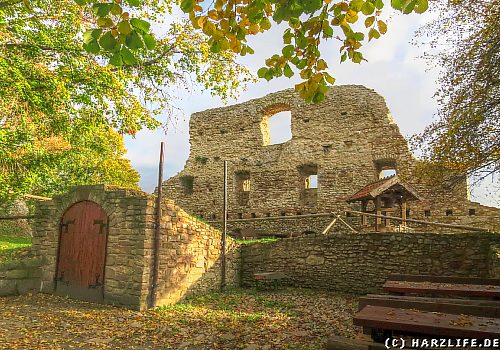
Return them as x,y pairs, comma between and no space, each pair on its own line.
321,65
369,21
202,20
212,14
382,27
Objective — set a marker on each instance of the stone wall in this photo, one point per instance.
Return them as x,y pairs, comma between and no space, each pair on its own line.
189,249
190,256
20,276
360,263
345,140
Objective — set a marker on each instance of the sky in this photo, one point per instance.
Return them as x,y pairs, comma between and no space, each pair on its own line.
395,69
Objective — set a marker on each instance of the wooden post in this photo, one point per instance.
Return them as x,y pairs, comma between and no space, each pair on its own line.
156,239
364,218
224,230
403,213
378,220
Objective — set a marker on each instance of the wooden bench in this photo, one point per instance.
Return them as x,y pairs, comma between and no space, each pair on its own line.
411,321
445,279
440,288
487,308
273,277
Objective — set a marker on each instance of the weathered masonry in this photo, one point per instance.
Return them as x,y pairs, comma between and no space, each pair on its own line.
337,147
97,244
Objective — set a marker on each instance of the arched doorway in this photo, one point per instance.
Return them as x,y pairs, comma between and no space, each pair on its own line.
82,252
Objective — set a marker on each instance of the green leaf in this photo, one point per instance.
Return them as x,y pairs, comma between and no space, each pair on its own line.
105,22
107,41
87,36
343,57
421,6
215,47
359,36
373,33
261,73
288,51
328,32
356,5
255,15
397,4
127,56
318,97
116,9
81,2
187,5
265,24
287,71
368,8
409,7
134,41
379,4
92,47
357,57
116,59
149,40
102,10
302,64
134,3
311,6
124,27
140,25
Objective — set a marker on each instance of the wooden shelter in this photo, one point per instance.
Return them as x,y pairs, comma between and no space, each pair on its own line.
385,194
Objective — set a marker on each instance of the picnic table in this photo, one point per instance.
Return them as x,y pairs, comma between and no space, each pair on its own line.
470,312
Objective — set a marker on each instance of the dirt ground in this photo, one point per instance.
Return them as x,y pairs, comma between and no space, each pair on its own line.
239,319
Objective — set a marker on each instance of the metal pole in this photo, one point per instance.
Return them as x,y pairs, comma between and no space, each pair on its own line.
224,230
156,242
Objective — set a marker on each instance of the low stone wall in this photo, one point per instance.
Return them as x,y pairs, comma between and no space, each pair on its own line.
20,276
360,263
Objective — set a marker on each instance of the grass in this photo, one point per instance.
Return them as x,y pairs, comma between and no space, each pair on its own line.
11,246
257,240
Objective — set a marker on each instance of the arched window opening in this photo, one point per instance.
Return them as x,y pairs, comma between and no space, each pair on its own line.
277,128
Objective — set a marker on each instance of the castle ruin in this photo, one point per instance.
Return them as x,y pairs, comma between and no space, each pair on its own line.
337,147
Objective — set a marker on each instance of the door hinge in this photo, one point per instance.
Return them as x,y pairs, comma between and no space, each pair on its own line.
64,225
102,225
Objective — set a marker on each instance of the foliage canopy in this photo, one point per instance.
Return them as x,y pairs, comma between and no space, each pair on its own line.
62,109
465,136
228,23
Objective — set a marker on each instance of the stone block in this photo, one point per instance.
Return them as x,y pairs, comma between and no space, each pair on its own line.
8,287
17,274
28,285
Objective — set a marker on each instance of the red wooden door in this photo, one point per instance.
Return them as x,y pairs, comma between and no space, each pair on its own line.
82,251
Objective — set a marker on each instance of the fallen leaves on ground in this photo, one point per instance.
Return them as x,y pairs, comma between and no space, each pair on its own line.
239,319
